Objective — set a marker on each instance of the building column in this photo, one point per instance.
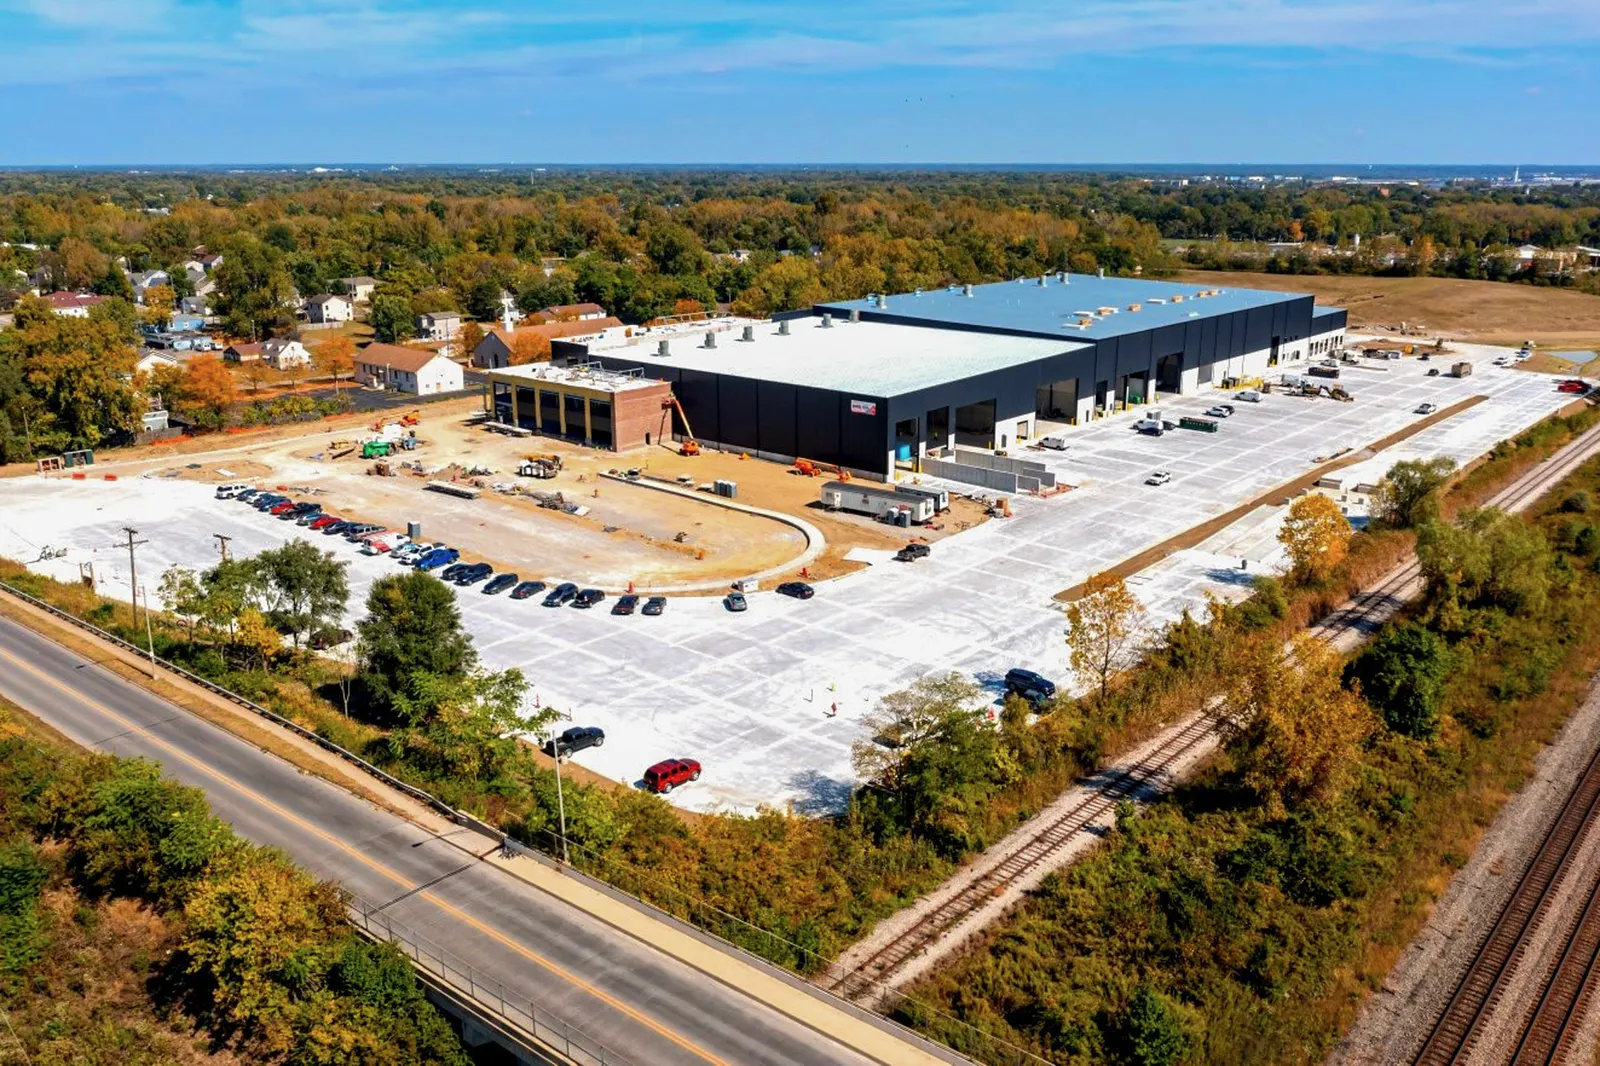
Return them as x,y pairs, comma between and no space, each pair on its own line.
588,422
561,410
515,421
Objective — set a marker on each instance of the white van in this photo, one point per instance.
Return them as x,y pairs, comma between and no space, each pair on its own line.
1055,443
228,492
1248,396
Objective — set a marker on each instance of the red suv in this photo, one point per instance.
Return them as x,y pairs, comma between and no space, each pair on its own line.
668,774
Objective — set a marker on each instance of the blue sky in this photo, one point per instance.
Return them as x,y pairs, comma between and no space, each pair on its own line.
1069,81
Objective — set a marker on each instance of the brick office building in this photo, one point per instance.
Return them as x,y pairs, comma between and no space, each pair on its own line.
583,404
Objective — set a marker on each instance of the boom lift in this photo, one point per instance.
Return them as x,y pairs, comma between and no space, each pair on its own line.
690,446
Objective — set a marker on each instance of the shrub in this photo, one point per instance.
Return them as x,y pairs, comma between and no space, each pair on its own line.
1403,675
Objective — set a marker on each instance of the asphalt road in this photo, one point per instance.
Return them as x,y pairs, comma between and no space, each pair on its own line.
643,1006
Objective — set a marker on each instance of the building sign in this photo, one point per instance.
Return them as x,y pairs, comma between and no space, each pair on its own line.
863,407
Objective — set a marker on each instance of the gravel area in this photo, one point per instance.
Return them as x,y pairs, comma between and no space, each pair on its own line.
1396,1020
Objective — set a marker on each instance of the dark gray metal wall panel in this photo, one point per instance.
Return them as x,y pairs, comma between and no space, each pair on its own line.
776,408
817,414
863,439
1258,329
1168,340
696,392
1192,337
1133,353
737,421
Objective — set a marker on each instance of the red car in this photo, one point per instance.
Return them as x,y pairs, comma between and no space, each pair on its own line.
668,774
1572,385
279,508
325,521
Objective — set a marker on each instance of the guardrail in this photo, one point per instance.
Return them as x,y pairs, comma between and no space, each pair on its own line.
484,991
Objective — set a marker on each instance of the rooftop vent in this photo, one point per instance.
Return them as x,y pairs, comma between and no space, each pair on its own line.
711,339
663,348
783,328
749,334
1101,272
1134,307
1157,300
1178,299
855,314
883,301
1044,279
1086,321
966,290
827,322
1063,277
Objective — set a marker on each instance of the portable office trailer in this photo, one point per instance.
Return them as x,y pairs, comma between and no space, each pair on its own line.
875,501
940,497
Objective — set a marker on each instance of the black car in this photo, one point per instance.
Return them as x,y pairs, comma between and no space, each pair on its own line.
798,589
499,584
654,605
575,740
1023,682
300,510
271,499
527,589
625,604
561,594
475,573
453,571
588,598
337,528
912,552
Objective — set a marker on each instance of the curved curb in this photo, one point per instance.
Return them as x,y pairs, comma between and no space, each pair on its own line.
815,541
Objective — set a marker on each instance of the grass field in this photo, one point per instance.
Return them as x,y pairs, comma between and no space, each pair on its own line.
1489,312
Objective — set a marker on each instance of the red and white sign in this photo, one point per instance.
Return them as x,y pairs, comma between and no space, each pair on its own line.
863,407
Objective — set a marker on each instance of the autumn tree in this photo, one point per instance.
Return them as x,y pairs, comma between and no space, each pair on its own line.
1293,728
78,372
1408,492
1104,629
787,285
256,639
256,373
1486,559
207,391
1316,535
469,338
528,346
158,304
253,287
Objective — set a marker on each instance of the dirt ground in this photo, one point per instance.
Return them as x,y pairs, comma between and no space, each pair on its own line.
630,535
1487,312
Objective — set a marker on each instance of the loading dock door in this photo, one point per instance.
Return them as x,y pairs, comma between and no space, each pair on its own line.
1169,373
1057,401
975,424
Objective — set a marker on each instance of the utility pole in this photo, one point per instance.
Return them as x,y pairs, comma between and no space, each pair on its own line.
133,574
222,544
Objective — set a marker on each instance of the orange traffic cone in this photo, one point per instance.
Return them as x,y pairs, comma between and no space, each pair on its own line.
630,588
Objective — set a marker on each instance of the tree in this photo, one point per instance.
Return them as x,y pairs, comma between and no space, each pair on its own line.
256,639
1153,1031
1406,495
1104,628
207,392
413,626
787,285
528,346
468,339
1487,559
468,726
184,595
158,303
232,587
392,320
1316,535
904,720
1403,675
1292,726
77,373
253,287
308,587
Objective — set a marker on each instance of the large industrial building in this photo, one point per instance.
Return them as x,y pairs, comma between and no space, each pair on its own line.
871,382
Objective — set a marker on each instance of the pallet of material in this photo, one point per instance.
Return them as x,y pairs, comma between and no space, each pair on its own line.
455,488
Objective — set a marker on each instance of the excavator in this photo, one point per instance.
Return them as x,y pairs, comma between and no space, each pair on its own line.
690,446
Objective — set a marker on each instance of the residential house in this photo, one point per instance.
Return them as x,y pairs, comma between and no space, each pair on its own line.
413,370
573,312
195,305
145,280
150,360
279,353
438,325
359,289
72,304
497,345
329,308
1588,258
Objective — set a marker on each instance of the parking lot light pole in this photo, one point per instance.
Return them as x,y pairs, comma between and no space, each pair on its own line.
149,635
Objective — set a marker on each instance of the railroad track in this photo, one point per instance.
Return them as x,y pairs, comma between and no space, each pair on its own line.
874,976
1548,1035
869,975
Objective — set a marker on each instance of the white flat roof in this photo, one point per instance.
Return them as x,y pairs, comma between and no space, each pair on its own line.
588,377
869,358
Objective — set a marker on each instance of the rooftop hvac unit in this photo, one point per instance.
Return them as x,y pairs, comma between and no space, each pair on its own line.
1102,272
1063,277
1085,322
1043,280
1158,299
1134,307
783,328
855,314
1178,299
827,322
883,301
749,333
663,348
711,338
966,290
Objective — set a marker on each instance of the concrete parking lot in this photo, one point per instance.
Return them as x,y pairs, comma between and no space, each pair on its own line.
770,700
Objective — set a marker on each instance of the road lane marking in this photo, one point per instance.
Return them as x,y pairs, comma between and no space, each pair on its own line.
398,878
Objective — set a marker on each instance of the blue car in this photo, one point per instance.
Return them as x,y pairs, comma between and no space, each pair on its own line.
437,558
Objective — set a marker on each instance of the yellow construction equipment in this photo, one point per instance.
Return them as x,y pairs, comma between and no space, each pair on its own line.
690,446
411,418
544,458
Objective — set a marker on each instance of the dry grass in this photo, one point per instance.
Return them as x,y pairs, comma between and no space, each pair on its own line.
1488,312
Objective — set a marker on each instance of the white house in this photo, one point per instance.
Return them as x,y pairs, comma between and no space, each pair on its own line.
438,325
585,312
278,353
72,304
195,305
150,360
359,289
329,308
413,370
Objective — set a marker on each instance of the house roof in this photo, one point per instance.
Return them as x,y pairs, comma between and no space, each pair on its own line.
395,357
554,330
63,300
557,310
361,280
245,349
440,314
326,298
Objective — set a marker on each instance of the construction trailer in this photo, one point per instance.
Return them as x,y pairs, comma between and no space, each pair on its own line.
940,497
883,502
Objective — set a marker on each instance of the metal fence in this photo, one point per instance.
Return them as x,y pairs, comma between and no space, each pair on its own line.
487,994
